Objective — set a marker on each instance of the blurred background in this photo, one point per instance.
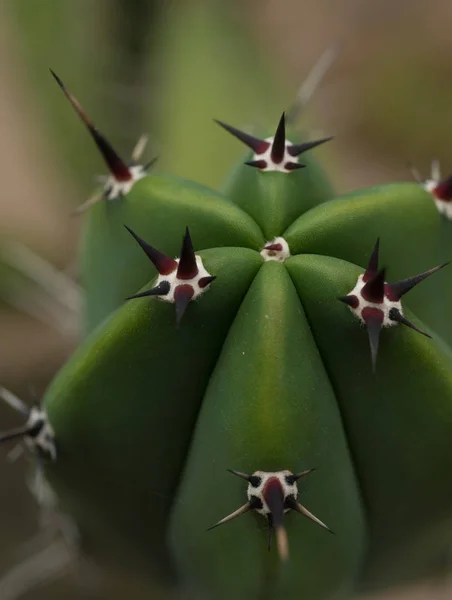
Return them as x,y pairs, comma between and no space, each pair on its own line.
167,68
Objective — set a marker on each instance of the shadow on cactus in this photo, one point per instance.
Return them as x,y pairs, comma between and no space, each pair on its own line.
266,373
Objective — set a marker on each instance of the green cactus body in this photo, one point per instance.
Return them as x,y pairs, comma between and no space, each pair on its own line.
158,208
267,371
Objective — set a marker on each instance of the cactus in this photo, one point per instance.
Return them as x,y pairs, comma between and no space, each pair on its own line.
262,365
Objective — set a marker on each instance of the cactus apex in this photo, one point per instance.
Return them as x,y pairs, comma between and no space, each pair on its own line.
277,249
274,153
272,494
180,280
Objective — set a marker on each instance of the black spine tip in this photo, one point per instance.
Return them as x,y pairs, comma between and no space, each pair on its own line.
396,315
279,142
297,149
187,268
57,79
115,164
148,166
162,289
240,474
372,266
257,145
164,264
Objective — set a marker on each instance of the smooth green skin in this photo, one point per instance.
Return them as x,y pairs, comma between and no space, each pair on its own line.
135,411
158,209
269,405
414,237
398,422
275,200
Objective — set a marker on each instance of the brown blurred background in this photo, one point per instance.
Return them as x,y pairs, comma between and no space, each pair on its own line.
167,68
